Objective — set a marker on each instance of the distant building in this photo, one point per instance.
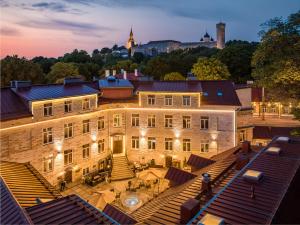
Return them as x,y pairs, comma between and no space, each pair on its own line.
153,48
131,43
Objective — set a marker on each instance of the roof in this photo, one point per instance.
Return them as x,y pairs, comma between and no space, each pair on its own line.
268,132
178,176
26,183
11,211
12,106
53,91
117,83
67,210
118,215
169,86
198,161
234,203
163,41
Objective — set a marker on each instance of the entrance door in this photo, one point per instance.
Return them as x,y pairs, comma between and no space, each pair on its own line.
118,144
68,175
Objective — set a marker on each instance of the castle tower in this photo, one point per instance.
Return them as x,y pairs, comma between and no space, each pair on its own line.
130,42
220,35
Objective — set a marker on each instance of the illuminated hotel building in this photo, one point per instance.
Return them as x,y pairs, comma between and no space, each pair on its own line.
68,130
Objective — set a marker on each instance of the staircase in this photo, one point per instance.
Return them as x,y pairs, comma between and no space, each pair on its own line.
121,170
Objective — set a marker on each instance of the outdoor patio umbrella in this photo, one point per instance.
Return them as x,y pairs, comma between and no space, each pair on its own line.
106,196
148,175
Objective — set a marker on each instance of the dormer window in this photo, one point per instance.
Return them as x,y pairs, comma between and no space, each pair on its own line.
220,93
85,104
48,109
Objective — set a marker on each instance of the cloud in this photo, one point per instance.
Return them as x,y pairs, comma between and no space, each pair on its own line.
53,6
4,3
9,31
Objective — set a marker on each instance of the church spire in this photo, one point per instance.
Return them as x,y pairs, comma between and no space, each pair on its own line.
131,33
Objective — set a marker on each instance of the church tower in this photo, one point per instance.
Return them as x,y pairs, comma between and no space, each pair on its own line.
220,35
130,42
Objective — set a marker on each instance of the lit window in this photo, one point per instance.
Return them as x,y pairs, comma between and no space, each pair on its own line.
101,146
85,104
168,144
168,121
151,121
186,100
47,135
116,120
135,120
101,123
135,142
68,130
68,157
220,93
86,126
186,122
151,100
48,164
86,151
242,135
205,94
204,146
85,171
48,109
186,145
151,143
68,106
168,100
204,122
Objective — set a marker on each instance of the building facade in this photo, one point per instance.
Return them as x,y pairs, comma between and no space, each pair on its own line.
69,130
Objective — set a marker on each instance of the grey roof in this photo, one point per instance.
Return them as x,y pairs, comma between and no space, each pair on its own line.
117,83
170,86
53,91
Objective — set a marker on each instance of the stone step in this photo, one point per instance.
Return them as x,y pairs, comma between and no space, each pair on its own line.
120,169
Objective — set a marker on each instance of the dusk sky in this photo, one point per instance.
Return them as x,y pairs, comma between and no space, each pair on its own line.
52,28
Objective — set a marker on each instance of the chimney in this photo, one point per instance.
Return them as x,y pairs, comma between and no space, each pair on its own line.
246,147
135,72
122,71
114,72
125,75
106,73
188,210
206,184
20,83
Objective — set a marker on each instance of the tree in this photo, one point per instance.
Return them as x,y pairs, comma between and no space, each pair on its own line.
76,57
174,76
210,69
15,68
44,62
88,70
157,67
127,65
296,112
276,61
237,57
61,70
105,50
138,57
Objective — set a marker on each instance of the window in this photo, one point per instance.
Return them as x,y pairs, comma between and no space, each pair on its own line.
48,109
186,144
151,143
264,109
101,123
151,100
205,93
204,122
48,164
220,93
186,122
168,100
135,120
116,120
68,106
135,142
86,151
151,121
169,144
168,121
204,146
85,104
86,126
186,100
85,171
101,146
68,129
47,135
68,157
242,135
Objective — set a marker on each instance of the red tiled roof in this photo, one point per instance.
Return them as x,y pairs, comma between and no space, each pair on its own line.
67,210
234,203
178,176
198,161
118,215
267,132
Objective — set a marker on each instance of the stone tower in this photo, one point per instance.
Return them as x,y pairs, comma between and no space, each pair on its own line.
220,35
130,42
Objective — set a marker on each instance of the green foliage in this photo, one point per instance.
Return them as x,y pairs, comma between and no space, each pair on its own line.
237,57
210,69
14,68
295,132
127,65
44,62
88,70
61,70
157,67
138,57
296,113
76,57
276,61
174,76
